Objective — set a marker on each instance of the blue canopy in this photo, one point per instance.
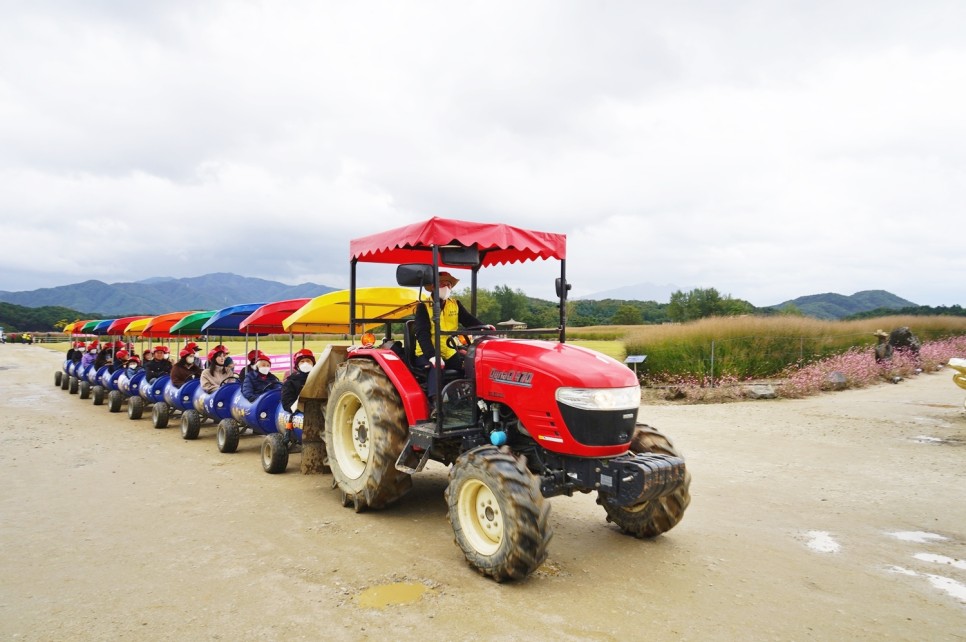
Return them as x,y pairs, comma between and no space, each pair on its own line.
225,322
101,328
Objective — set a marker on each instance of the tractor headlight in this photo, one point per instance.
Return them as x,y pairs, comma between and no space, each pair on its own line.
600,398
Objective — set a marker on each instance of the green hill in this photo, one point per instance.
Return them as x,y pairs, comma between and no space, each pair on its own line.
837,306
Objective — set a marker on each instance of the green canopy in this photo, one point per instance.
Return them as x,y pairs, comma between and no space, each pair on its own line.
191,324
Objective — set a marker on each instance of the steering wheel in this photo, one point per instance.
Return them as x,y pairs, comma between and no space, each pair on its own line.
231,379
463,340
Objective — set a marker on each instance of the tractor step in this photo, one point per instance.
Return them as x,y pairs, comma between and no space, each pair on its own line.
415,453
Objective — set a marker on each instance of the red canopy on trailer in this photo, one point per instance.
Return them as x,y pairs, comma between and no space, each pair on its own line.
268,318
497,243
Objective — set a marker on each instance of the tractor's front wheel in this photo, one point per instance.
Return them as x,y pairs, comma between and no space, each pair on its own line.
274,453
365,431
656,516
498,513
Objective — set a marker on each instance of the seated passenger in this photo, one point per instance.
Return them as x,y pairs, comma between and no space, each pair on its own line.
249,367
120,357
76,351
105,357
159,365
217,370
185,369
90,355
304,362
132,365
261,379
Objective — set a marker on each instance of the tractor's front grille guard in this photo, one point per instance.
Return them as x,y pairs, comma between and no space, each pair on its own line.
627,480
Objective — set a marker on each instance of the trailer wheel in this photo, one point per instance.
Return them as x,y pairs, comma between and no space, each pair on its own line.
228,436
365,431
58,376
190,424
656,516
135,407
97,395
84,390
64,382
498,513
159,415
274,453
74,383
114,400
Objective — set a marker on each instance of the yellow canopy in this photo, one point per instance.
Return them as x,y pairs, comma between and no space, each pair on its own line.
329,313
135,328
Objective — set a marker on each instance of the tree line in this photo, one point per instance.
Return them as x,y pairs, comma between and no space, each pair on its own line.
503,303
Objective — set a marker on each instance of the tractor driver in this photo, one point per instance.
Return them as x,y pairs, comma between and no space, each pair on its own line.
452,317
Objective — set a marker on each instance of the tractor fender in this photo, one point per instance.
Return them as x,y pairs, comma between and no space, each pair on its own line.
413,398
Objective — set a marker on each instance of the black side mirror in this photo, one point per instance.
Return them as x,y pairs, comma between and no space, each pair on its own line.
460,255
413,275
562,287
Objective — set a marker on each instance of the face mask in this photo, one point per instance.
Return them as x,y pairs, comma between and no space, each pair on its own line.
305,366
444,293
265,370
189,359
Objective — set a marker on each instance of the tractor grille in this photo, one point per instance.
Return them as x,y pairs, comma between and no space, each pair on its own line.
599,427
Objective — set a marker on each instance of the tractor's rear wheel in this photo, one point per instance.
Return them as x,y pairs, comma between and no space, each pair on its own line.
58,377
97,395
656,516
159,415
190,424
274,453
365,431
227,436
135,407
498,513
84,390
114,400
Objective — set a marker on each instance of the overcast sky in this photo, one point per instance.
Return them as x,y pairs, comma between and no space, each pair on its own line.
767,149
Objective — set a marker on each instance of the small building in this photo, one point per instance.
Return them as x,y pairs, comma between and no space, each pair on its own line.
511,324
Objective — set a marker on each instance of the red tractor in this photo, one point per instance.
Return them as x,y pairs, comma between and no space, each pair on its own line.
528,419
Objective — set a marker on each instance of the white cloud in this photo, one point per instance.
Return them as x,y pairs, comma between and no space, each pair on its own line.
766,150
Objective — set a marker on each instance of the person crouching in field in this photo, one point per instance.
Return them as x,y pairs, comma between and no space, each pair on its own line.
185,369
217,370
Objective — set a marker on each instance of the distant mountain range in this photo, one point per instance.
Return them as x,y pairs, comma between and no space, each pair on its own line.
836,306
158,295
164,294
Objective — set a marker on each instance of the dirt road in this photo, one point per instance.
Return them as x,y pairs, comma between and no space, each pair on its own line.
841,516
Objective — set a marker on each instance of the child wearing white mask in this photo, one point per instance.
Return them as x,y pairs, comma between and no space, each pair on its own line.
304,362
261,380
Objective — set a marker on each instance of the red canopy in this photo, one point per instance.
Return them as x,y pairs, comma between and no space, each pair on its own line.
497,243
160,326
119,324
268,318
